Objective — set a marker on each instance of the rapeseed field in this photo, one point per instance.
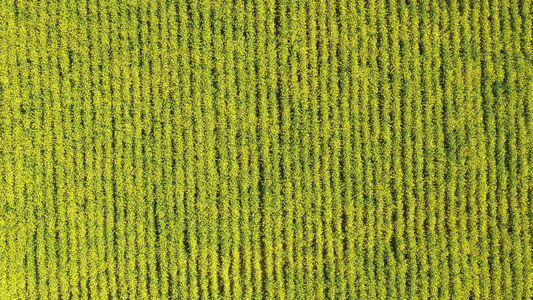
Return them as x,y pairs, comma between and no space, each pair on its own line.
266,149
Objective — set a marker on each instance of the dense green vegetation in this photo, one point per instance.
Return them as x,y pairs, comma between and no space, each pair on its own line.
274,149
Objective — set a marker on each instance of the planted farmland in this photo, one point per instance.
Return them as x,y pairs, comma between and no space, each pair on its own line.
266,149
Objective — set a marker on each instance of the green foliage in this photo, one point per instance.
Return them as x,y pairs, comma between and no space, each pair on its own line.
262,149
